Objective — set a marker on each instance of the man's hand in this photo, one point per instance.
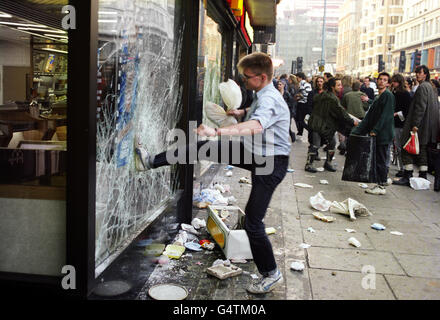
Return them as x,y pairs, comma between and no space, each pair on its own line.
205,131
415,129
356,123
372,134
235,113
364,98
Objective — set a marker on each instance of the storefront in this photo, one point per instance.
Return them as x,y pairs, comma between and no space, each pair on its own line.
72,102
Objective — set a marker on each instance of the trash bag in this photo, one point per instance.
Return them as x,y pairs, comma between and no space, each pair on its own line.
360,161
418,183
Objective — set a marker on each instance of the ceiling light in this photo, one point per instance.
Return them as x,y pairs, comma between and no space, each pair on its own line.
43,30
54,50
5,15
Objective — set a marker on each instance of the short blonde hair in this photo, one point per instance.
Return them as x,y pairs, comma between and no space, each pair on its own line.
258,62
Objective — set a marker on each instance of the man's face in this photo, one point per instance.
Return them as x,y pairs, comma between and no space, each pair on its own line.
395,84
367,82
338,86
421,76
320,83
382,82
252,80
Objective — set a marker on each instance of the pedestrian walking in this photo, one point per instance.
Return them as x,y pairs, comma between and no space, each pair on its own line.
303,107
267,116
329,117
422,119
403,100
354,104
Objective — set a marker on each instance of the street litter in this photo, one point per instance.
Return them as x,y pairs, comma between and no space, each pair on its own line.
173,251
323,158
310,229
245,180
309,176
224,214
193,246
350,207
181,238
350,230
270,230
168,291
363,185
228,167
238,260
229,174
222,271
189,228
397,233
323,181
209,196
297,266
418,183
290,170
202,205
320,216
198,223
207,244
304,246
354,242
199,263
144,242
303,185
220,188
378,226
231,200
163,259
318,202
254,276
320,169
221,262
154,249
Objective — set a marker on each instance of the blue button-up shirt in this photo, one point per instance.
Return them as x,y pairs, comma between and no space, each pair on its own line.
270,109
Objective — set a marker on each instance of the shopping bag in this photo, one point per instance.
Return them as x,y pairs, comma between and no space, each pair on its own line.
360,161
412,145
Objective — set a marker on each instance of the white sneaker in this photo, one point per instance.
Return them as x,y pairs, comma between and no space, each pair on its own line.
141,157
377,189
389,182
266,284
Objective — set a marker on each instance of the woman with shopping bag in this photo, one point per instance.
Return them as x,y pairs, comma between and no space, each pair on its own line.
422,119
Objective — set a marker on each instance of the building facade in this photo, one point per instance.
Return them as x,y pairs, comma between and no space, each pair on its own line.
419,30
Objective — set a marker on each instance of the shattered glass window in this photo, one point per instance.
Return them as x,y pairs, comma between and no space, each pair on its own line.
138,96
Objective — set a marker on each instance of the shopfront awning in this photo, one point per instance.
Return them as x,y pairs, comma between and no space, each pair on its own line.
262,13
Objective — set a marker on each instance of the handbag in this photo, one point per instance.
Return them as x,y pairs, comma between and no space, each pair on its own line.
412,145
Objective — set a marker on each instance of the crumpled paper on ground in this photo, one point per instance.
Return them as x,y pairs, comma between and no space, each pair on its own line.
350,207
210,196
418,183
318,202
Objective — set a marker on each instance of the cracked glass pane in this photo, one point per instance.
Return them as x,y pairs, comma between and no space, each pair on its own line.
138,95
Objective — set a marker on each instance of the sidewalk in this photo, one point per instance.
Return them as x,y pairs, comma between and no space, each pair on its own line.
406,266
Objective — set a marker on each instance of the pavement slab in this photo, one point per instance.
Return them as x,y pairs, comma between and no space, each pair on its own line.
420,266
353,260
409,243
342,285
406,288
336,239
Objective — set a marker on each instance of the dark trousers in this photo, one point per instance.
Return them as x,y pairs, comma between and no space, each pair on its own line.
263,187
302,110
382,154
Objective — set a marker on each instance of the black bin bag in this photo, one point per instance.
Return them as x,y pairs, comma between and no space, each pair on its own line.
360,161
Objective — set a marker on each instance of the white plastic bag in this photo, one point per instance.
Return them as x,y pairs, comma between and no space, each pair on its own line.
319,203
418,183
231,94
218,115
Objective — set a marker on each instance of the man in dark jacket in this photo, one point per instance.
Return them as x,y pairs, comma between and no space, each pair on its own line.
328,116
422,119
379,122
365,88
